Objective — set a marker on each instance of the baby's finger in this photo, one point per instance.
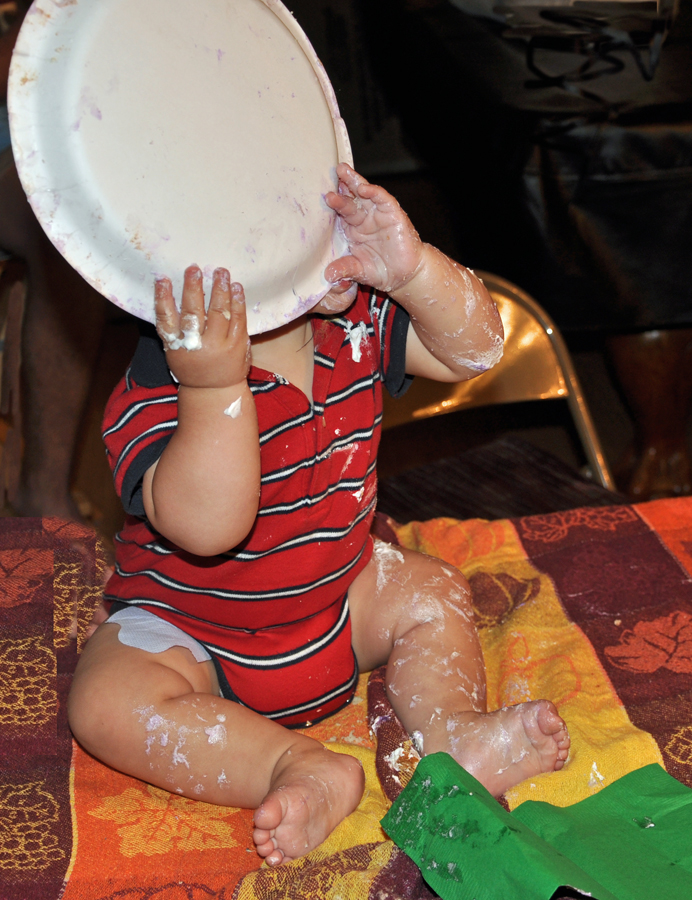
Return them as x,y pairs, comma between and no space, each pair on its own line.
343,204
350,177
239,324
344,190
193,294
219,313
167,318
346,268
378,195
342,286
238,311
332,200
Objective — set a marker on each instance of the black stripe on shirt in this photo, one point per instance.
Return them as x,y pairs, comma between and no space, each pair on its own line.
325,361
363,384
240,596
340,442
137,407
149,367
323,535
347,686
132,492
281,660
169,425
295,422
352,485
264,387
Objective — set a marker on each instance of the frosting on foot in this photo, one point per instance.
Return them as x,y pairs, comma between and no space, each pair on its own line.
502,748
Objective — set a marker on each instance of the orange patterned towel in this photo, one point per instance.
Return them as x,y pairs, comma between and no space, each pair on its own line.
591,608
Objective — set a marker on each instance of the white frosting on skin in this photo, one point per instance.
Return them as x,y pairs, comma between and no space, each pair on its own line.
234,410
191,339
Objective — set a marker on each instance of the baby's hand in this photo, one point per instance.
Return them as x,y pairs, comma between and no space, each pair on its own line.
386,251
207,350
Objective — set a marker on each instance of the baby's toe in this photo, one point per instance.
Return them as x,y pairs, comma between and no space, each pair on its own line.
548,719
276,858
265,844
269,815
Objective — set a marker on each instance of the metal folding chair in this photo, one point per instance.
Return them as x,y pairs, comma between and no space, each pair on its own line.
536,365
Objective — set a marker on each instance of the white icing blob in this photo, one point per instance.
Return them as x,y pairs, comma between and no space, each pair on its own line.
155,721
418,743
191,339
356,333
394,757
216,734
179,757
234,409
387,558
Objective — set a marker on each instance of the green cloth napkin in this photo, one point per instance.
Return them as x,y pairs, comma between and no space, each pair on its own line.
630,841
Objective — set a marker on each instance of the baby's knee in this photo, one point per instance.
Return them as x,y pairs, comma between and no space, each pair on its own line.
85,709
448,584
459,585
101,692
442,598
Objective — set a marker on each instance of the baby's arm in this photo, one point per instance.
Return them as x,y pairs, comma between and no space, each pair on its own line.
456,331
203,491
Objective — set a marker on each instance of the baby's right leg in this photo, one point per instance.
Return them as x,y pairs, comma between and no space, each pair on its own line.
158,717
415,612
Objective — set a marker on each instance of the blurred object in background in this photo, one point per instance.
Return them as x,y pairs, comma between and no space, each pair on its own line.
335,30
56,322
563,139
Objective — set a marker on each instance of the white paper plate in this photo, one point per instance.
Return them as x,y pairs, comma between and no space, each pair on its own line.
151,134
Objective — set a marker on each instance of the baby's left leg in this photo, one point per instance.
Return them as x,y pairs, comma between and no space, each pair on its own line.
414,613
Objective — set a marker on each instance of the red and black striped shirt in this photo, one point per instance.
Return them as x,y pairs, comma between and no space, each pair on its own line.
278,599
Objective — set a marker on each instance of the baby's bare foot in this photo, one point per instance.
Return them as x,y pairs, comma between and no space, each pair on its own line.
311,792
504,747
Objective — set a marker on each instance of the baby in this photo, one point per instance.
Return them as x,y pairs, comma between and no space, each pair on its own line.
248,591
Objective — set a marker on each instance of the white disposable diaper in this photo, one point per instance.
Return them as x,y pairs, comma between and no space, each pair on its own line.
145,631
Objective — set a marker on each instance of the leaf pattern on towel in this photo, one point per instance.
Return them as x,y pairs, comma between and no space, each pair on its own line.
345,874
65,530
29,817
175,890
679,747
466,544
497,595
526,667
77,592
661,643
21,573
28,696
556,526
154,822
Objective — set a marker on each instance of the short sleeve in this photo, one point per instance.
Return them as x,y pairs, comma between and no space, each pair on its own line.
140,418
391,323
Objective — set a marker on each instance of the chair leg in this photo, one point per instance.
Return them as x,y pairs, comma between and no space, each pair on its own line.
575,396
655,372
